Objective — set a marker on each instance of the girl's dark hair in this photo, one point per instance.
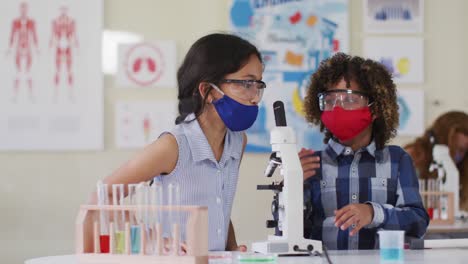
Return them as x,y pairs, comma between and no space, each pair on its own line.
209,59
373,79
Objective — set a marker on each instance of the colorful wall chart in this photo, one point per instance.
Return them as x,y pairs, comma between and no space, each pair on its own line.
293,37
403,57
411,109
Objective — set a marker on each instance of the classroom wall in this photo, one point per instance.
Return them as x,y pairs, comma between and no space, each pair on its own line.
40,192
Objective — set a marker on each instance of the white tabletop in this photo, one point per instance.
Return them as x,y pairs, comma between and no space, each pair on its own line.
428,256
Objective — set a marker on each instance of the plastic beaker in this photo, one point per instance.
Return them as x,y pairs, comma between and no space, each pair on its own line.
392,244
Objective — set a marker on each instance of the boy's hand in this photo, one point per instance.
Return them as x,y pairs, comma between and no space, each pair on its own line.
354,215
309,163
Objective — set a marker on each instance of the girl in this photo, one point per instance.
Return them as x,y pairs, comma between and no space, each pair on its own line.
220,87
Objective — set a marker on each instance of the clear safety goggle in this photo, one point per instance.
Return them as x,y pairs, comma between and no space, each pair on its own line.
347,99
246,90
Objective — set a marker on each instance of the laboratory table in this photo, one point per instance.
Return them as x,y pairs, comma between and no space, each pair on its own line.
427,256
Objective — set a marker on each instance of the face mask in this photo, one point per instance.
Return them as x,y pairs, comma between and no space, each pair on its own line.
458,158
346,124
236,116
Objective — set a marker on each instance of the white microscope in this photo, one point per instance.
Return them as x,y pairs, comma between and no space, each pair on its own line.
447,173
290,202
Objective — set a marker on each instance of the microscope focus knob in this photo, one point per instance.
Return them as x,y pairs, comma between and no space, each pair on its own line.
271,223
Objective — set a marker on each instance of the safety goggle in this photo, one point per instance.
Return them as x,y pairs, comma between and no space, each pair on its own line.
348,99
246,90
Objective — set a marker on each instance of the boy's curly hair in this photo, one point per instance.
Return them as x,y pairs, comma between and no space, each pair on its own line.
371,77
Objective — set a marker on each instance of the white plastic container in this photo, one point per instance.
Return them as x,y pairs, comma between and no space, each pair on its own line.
392,244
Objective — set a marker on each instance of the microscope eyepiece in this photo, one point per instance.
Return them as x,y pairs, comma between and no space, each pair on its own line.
280,115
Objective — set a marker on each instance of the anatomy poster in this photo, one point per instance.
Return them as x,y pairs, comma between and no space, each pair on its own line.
140,123
293,37
51,92
403,57
147,64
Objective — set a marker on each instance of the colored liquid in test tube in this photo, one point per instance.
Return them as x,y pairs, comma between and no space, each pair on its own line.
174,217
118,196
103,199
140,199
431,210
135,231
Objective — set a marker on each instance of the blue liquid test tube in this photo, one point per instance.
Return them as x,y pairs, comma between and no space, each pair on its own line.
135,231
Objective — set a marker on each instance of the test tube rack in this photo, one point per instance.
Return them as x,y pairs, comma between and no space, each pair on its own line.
87,237
440,218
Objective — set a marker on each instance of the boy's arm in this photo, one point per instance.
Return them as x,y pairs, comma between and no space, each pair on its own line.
409,213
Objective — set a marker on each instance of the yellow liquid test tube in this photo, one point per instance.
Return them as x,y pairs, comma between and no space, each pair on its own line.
118,196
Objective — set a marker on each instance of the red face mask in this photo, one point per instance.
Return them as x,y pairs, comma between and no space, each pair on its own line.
346,124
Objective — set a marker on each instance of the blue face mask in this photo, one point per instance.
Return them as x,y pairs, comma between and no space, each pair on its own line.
236,116
458,158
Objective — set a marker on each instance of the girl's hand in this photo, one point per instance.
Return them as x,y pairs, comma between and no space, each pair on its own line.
242,248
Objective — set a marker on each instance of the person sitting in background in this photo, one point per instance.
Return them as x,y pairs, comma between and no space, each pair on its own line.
449,129
358,184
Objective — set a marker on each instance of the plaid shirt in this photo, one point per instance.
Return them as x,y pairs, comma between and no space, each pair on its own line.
384,178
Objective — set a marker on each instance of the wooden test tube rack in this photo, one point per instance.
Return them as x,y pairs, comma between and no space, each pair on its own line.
450,207
87,237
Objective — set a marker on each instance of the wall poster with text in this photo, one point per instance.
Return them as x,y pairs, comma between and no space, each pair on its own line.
293,37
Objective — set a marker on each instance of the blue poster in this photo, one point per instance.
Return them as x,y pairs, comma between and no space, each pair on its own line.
293,37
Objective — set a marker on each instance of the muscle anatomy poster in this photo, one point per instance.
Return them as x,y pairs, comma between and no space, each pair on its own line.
51,92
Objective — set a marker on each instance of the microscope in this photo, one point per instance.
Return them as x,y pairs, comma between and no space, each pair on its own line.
447,173
288,201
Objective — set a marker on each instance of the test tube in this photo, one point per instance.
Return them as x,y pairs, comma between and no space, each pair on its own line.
423,189
142,194
431,200
174,217
436,198
118,196
103,199
444,206
135,232
156,199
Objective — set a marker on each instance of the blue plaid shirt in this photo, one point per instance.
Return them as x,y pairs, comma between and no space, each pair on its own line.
384,178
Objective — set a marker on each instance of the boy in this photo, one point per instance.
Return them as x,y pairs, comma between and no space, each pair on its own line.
358,184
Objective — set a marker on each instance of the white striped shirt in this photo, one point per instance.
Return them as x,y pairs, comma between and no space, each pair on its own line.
203,180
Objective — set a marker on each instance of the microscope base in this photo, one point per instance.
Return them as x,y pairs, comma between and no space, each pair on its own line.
283,246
